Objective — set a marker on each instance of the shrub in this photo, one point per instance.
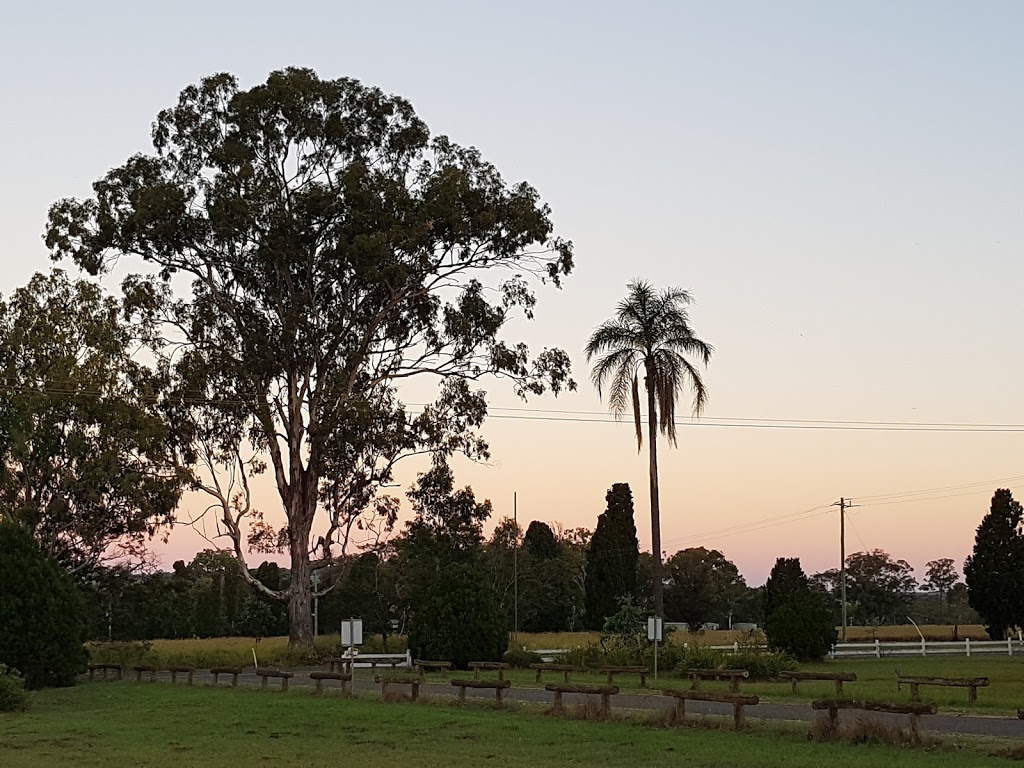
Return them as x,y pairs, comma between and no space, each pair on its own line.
12,691
460,621
802,627
762,665
41,613
520,658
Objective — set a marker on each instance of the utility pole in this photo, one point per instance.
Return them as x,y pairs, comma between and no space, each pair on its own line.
843,505
515,566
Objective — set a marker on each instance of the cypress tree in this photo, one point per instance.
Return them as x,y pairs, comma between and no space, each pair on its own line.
797,620
995,571
540,541
612,558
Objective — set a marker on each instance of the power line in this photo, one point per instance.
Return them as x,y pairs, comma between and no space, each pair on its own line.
595,417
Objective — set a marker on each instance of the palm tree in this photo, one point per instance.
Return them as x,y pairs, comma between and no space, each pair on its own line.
650,332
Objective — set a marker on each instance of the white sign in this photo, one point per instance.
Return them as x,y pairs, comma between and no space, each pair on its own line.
351,632
655,627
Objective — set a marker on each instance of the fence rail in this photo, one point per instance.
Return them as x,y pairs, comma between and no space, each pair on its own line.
966,647
878,649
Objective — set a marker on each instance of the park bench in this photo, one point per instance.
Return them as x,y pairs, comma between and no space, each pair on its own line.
612,671
189,672
233,671
493,666
604,691
283,676
385,680
423,666
565,669
318,678
970,683
838,677
732,675
145,668
498,686
738,701
914,710
114,668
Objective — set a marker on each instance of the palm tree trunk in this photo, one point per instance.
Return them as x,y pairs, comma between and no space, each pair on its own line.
652,446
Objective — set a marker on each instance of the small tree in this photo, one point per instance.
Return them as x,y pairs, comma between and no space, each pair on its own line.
995,570
42,616
940,577
797,620
702,585
461,620
612,557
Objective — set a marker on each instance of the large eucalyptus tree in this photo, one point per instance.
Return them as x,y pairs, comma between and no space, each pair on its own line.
650,334
334,250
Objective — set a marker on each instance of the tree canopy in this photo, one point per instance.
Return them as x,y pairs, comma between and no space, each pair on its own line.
703,585
334,249
86,459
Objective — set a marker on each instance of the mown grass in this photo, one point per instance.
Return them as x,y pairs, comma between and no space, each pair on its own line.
876,680
160,725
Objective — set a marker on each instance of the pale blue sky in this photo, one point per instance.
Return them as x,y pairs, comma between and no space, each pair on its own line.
839,184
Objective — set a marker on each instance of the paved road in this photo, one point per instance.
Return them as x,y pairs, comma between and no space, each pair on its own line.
978,725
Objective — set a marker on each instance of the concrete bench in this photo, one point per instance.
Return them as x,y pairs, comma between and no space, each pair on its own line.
738,701
318,678
115,669
832,706
189,673
732,675
423,666
140,669
604,691
565,669
233,671
612,671
837,677
970,683
413,683
498,686
283,676
492,666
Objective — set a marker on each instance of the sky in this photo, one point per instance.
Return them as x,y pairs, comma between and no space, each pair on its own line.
838,184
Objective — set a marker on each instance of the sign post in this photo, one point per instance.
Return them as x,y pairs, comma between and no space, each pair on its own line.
655,624
351,635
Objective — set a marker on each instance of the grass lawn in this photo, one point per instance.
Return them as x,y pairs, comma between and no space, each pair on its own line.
876,679
118,724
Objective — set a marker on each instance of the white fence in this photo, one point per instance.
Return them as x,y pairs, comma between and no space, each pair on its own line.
966,647
878,649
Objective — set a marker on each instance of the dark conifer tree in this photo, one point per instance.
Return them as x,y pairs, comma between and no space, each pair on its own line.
995,571
612,558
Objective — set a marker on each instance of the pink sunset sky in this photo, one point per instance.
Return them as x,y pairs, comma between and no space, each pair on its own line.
839,185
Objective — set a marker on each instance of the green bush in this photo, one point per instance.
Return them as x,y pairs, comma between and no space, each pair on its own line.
520,658
12,691
802,628
460,621
762,665
42,614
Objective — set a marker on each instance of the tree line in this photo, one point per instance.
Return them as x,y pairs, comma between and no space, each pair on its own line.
568,580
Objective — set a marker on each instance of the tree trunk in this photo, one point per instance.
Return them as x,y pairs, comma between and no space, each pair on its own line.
300,598
652,446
